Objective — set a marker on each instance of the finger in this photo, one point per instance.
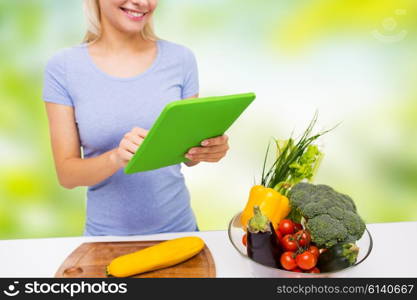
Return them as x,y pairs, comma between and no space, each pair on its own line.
212,160
203,157
209,149
139,131
135,139
220,140
125,155
129,146
206,160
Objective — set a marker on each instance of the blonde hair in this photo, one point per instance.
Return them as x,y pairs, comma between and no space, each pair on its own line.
92,14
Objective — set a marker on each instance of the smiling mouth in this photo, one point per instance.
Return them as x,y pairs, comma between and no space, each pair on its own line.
133,13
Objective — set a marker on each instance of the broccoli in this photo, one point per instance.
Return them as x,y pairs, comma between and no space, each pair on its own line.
330,216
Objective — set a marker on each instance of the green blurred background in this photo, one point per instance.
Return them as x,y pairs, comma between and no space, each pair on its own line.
352,60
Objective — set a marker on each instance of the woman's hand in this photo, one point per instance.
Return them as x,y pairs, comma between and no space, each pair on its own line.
128,146
212,150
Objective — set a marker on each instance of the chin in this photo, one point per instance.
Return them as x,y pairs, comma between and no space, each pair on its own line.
132,30
132,27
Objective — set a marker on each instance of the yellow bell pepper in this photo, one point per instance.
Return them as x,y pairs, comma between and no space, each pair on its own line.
273,204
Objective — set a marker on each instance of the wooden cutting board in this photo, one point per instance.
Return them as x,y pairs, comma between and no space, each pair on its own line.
89,260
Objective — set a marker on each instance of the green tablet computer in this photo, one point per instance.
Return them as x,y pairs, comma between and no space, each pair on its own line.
185,124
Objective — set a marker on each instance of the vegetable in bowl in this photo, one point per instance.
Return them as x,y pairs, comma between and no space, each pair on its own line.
315,227
338,257
330,217
262,242
296,160
237,238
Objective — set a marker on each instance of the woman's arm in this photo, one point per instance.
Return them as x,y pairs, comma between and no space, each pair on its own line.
71,168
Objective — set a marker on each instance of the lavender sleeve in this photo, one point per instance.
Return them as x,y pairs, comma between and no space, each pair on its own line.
55,81
191,82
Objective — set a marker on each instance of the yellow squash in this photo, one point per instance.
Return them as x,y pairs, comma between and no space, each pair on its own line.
273,204
159,256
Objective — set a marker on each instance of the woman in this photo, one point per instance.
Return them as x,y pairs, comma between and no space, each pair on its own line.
102,96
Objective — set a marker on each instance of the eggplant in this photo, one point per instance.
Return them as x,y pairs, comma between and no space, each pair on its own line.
262,242
338,257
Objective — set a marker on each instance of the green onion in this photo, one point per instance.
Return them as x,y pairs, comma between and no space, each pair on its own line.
295,161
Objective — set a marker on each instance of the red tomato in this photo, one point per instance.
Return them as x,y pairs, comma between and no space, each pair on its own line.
286,226
288,260
306,260
298,226
314,250
297,270
289,243
303,238
313,270
245,239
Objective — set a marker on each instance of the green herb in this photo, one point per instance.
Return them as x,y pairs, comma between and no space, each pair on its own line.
295,161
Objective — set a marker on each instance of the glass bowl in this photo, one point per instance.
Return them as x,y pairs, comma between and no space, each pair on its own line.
236,233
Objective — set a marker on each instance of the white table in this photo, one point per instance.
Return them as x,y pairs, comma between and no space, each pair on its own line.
42,257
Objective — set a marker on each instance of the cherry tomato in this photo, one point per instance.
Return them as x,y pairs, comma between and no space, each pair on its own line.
303,238
289,243
288,260
314,250
286,226
245,239
314,270
306,260
297,227
297,270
